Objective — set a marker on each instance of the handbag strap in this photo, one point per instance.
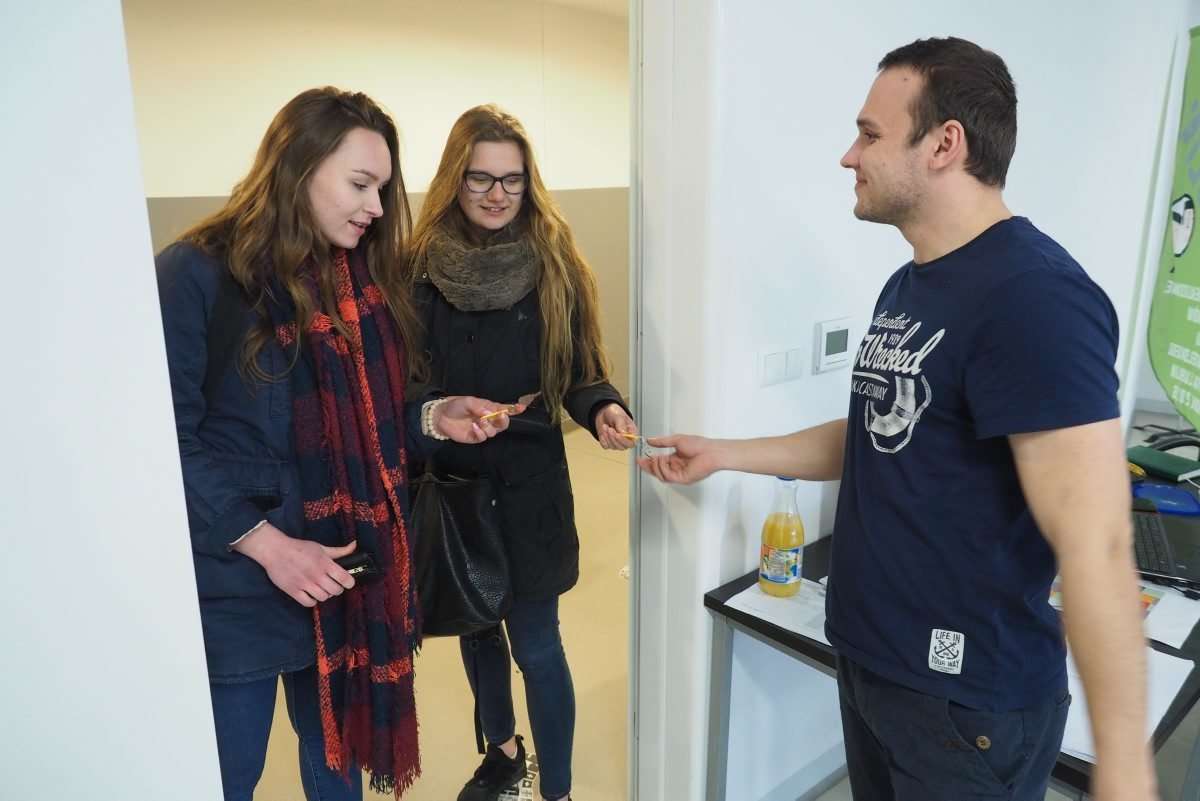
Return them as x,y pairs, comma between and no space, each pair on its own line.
479,745
475,640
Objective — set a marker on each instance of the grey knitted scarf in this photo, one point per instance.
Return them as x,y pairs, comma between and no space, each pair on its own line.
472,278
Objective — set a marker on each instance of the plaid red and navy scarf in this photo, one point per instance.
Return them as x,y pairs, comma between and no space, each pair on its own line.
348,402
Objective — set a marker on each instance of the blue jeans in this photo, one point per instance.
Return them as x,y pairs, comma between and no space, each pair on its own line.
537,648
243,714
902,745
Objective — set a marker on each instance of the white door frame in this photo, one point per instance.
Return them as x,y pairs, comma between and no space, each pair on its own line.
674,532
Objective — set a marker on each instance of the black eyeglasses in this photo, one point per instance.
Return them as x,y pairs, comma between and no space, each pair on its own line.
482,182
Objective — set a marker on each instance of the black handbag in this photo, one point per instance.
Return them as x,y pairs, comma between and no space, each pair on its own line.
460,564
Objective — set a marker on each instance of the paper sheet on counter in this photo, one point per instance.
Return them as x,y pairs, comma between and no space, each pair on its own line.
1151,594
803,613
1166,675
1172,619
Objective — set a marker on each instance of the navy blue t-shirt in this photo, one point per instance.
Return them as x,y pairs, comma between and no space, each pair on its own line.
940,579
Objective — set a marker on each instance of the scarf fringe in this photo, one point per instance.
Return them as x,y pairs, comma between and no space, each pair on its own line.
400,779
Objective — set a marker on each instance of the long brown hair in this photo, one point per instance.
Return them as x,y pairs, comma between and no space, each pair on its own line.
566,285
267,231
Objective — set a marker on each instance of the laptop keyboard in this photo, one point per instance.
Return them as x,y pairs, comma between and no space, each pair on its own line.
1150,546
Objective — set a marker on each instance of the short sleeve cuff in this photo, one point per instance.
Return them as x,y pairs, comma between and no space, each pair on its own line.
1048,419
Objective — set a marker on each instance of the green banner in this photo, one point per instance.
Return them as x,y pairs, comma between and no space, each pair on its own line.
1174,333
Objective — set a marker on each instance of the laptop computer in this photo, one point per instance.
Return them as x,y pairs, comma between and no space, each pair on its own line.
1166,547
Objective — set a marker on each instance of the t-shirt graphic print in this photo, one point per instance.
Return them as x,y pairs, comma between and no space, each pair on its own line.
940,578
890,357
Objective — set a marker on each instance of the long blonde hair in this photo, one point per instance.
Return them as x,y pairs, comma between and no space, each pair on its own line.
266,230
566,285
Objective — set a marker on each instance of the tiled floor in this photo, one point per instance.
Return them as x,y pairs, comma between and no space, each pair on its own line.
595,628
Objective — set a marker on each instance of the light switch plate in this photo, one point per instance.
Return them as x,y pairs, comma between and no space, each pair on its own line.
774,368
795,364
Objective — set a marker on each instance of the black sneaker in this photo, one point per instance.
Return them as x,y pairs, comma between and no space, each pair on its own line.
496,774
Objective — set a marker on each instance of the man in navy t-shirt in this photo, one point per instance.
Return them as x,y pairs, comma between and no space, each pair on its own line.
947,576
982,392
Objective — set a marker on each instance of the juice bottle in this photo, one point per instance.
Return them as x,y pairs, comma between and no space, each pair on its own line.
782,543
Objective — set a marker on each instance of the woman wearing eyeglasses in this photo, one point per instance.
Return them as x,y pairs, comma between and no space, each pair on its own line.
511,312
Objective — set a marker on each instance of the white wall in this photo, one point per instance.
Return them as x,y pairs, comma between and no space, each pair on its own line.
1141,390
785,741
209,76
103,688
747,239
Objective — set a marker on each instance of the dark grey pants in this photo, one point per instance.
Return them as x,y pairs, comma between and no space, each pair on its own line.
902,745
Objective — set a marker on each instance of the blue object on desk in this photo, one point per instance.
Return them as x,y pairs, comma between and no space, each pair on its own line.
1169,500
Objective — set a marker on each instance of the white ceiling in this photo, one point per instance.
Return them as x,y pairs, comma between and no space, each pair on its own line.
615,8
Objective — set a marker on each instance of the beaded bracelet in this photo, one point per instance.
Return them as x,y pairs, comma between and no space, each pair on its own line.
427,426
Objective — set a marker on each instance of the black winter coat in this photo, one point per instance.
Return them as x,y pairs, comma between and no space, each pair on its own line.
496,355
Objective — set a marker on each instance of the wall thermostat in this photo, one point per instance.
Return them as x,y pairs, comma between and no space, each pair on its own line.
832,345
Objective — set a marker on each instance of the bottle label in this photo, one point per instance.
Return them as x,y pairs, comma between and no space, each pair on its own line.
780,565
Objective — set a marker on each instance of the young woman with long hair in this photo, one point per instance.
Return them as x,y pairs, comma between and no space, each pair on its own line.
510,312
289,344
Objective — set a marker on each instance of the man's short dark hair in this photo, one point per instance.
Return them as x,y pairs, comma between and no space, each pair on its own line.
964,82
